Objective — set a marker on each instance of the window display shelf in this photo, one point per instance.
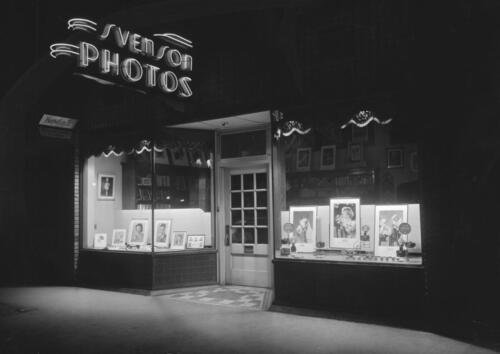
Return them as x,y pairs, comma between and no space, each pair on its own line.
357,259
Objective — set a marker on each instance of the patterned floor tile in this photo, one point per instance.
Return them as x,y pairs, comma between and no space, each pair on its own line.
235,296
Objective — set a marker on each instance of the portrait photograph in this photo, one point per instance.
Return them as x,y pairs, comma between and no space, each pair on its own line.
303,219
345,222
178,240
179,156
355,152
137,233
162,232
161,156
303,159
100,240
195,241
119,237
394,158
387,235
106,187
327,158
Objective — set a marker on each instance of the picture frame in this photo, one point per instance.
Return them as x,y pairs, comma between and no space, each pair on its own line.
106,186
328,157
179,156
162,156
395,158
345,223
355,152
303,219
162,233
387,221
414,161
304,156
178,240
118,237
195,241
197,158
100,241
137,236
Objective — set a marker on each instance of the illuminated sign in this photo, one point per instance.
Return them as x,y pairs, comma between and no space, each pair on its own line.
135,60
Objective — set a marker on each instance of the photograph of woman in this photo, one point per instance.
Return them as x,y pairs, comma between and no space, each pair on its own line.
387,235
303,220
345,221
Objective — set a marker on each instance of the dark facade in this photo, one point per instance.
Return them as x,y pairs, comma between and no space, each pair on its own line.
433,67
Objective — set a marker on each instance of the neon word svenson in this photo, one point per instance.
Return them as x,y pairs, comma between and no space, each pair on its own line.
164,67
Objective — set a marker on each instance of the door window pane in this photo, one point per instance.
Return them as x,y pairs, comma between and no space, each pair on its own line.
248,199
248,181
262,199
261,179
236,235
262,217
236,200
262,236
249,217
235,217
249,235
235,182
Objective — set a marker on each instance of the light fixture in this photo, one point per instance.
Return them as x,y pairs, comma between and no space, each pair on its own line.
363,118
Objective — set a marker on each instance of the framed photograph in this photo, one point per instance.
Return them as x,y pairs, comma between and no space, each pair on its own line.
118,237
196,241
162,232
345,220
178,240
414,161
328,156
179,157
100,241
137,233
395,158
105,187
387,221
355,152
197,158
161,156
303,219
303,159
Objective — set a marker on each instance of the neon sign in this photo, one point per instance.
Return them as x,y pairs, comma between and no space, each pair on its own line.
136,60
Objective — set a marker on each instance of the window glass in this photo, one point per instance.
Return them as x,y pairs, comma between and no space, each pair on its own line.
347,191
118,201
155,194
243,144
184,179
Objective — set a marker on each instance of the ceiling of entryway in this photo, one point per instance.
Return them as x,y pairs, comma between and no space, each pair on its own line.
243,121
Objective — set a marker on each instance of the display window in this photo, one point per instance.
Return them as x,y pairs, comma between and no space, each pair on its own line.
155,196
349,194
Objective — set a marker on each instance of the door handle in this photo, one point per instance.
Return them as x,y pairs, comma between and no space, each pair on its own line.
226,239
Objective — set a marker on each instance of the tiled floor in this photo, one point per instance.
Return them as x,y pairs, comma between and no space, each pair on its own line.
234,296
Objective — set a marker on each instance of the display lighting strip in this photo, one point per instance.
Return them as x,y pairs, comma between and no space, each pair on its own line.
175,39
82,24
67,49
363,118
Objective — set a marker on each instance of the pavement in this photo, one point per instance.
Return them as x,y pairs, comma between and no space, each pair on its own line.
79,320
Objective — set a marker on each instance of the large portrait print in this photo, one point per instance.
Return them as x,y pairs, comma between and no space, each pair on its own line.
387,221
345,222
137,233
162,232
106,186
303,220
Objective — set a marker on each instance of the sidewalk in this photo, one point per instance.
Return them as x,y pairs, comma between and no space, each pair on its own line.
76,320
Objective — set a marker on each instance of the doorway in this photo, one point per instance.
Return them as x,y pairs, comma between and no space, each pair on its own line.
247,231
